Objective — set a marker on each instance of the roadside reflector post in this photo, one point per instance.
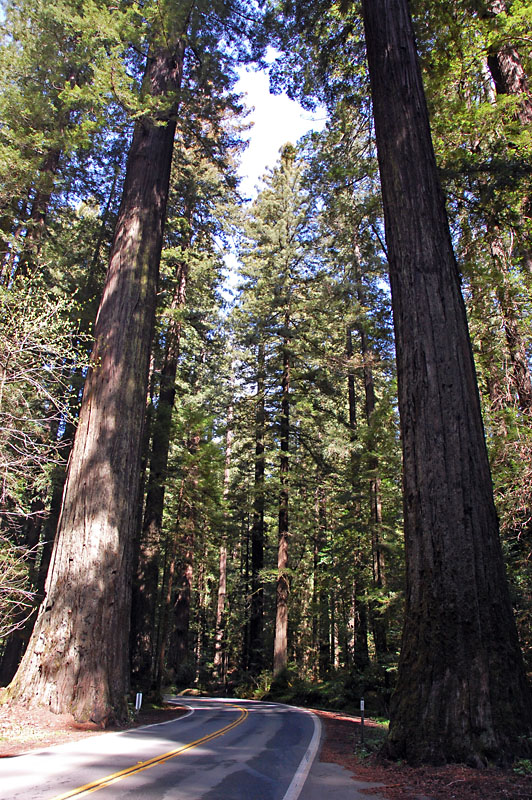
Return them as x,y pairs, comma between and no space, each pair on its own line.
362,720
138,701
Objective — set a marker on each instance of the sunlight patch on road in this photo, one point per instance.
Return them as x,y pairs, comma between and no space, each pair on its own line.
89,788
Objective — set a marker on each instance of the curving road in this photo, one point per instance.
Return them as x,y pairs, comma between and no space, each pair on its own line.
221,750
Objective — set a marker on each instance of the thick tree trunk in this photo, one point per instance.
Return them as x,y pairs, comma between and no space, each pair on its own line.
77,660
280,650
218,662
321,645
167,593
462,693
256,644
179,650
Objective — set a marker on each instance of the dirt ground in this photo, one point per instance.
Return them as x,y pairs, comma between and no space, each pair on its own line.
401,782
22,730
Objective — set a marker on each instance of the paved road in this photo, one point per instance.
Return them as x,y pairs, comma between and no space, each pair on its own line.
222,750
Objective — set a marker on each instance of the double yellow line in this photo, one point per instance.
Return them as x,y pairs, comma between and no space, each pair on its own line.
82,791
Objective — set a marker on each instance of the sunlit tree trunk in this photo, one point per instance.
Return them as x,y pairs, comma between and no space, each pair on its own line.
280,652
77,660
520,369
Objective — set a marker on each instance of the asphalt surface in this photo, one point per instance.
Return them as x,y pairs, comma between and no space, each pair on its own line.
222,750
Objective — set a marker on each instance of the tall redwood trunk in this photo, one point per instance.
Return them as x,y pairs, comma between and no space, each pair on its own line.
322,595
510,78
179,650
280,650
77,659
256,644
462,693
360,605
222,562
379,623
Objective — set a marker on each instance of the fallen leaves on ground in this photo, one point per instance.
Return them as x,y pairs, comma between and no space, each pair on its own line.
401,782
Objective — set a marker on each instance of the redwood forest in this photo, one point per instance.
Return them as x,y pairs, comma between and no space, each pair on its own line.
306,477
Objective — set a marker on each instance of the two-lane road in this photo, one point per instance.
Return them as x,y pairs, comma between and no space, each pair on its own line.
221,750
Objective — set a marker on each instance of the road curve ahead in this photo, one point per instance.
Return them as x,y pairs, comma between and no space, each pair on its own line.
221,750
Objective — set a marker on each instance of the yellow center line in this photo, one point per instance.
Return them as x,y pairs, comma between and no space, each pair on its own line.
152,762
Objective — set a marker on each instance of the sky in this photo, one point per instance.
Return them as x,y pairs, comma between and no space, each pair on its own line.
277,120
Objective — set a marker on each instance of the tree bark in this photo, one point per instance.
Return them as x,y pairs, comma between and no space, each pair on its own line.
360,605
323,597
379,623
179,650
509,77
280,651
222,563
507,69
462,693
77,660
517,351
256,644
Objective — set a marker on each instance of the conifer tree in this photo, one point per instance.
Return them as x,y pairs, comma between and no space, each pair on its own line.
447,656
82,666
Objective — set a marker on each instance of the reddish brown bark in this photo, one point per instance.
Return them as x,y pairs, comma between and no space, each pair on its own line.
280,651
222,563
255,657
507,69
461,691
77,659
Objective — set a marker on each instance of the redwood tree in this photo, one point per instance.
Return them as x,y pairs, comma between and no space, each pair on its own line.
462,693
77,660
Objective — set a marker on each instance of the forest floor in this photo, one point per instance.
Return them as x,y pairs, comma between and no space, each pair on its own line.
399,781
22,730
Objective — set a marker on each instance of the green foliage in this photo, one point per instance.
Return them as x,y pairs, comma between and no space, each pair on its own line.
40,347
16,596
523,766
